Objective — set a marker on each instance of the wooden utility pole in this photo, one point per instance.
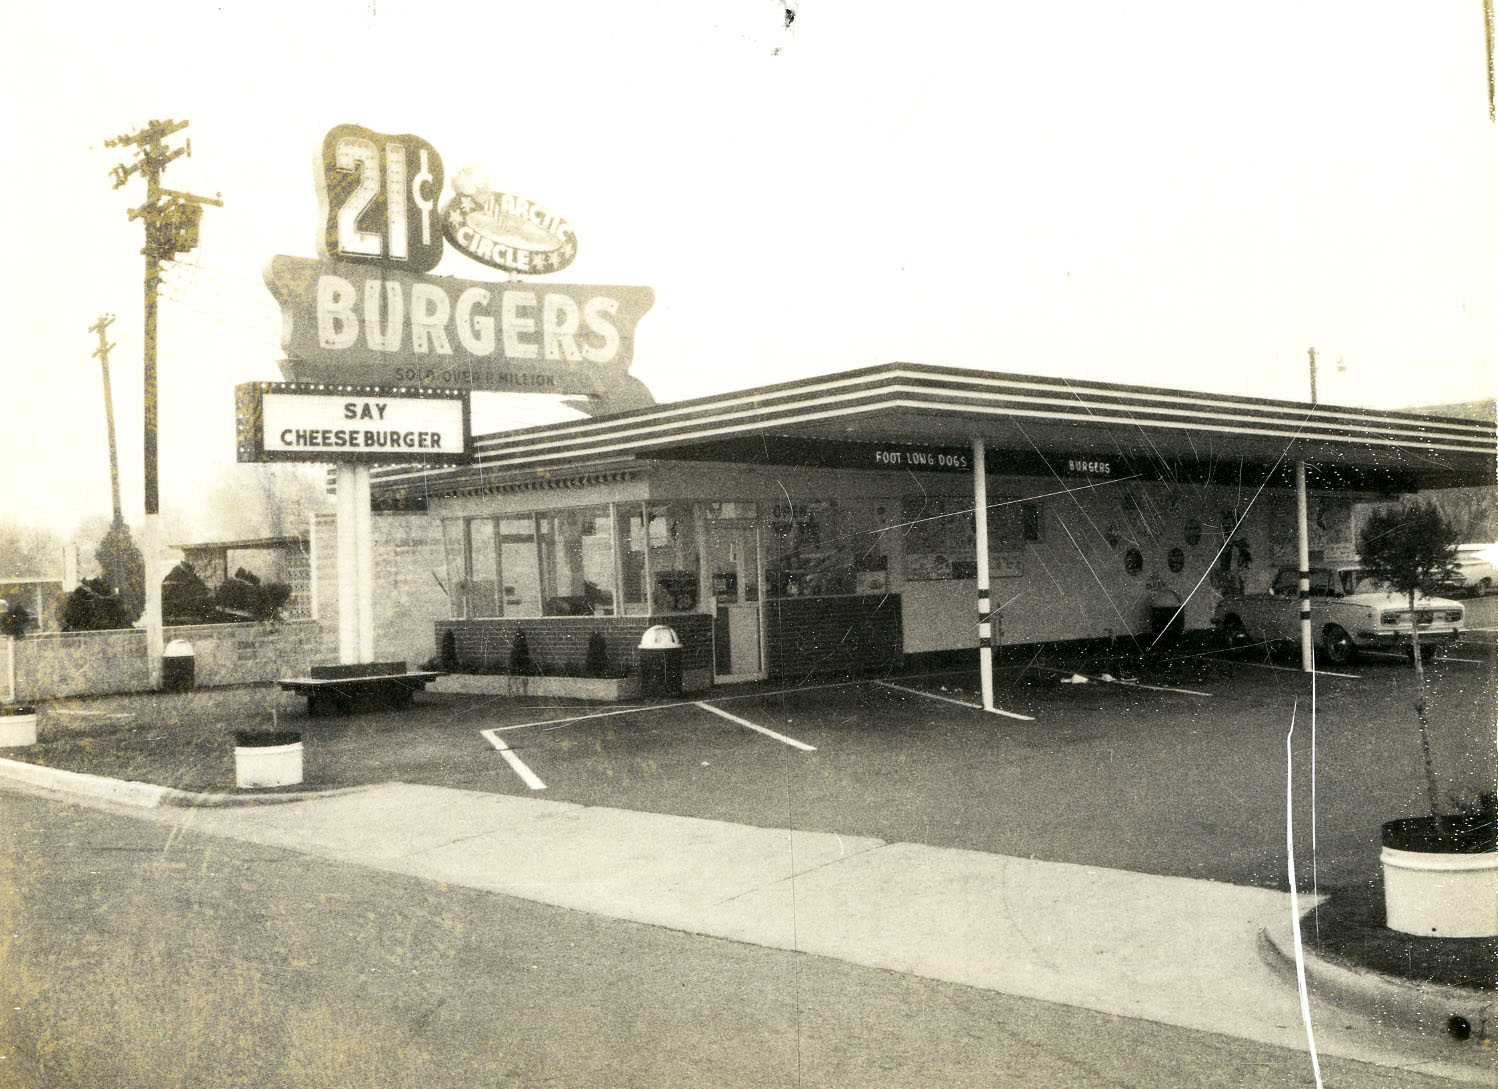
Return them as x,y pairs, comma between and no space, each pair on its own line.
172,221
102,354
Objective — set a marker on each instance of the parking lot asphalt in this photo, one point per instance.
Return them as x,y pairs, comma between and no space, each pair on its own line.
1183,773
1185,779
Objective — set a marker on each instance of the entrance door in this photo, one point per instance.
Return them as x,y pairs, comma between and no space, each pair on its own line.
731,557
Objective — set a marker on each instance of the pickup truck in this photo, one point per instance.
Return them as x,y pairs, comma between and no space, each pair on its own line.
1349,614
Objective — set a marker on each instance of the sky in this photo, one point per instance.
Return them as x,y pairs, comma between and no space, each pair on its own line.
1161,192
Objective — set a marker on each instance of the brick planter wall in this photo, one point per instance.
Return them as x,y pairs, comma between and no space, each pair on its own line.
811,636
563,640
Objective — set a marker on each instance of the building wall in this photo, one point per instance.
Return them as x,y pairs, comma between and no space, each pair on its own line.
1074,582
410,579
96,663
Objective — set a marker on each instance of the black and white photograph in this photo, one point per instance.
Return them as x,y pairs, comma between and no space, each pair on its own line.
749,544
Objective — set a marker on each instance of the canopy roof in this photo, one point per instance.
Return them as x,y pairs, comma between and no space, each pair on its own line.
1161,433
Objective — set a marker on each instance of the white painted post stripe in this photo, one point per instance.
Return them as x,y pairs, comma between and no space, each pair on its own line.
527,776
791,741
959,703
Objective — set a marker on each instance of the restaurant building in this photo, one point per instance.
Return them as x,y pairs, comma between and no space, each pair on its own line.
827,525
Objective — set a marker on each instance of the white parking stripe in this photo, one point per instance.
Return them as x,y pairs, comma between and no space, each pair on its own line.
791,741
1289,669
949,699
527,776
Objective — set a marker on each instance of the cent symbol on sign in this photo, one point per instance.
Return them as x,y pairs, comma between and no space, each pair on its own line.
378,196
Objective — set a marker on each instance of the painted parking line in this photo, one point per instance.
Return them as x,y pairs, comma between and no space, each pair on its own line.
1292,669
558,723
791,741
1469,661
949,699
1124,684
518,765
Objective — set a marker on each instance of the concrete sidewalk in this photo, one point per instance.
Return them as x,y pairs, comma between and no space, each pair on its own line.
1172,950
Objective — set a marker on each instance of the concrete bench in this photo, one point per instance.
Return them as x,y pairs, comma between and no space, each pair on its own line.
344,688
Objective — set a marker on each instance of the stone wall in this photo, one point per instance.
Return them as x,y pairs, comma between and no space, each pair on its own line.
98,663
410,576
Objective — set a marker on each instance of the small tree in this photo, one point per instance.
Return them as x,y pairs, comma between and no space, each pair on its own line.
1412,549
13,621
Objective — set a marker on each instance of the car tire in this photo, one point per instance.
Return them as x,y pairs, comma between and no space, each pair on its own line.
1484,587
1337,646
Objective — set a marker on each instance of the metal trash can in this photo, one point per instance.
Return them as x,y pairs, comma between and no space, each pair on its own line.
178,664
660,662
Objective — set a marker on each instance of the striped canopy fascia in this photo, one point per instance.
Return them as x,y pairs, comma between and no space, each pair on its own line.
920,403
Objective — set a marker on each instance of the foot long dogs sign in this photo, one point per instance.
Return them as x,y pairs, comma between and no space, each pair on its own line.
367,311
280,421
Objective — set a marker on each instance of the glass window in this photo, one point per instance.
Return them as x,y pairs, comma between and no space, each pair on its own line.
577,562
483,577
629,529
472,578
1012,521
517,556
675,565
454,536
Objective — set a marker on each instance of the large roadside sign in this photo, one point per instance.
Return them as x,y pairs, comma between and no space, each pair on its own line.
363,325
367,312
280,421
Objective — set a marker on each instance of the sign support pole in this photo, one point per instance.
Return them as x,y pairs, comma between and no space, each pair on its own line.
364,558
1303,554
985,608
346,514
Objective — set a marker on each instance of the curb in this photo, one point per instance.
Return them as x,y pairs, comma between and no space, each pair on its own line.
146,795
1432,1009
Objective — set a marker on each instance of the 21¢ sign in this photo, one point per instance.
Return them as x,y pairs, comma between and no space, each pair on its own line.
379,195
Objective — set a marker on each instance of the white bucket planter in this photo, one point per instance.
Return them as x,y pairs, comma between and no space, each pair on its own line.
267,760
17,731
1436,893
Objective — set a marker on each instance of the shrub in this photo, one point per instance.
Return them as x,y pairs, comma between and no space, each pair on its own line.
448,658
597,662
94,606
521,663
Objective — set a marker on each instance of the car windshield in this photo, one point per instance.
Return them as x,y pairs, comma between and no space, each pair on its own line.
1357,582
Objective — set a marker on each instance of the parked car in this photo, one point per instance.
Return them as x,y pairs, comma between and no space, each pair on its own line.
1476,571
1349,613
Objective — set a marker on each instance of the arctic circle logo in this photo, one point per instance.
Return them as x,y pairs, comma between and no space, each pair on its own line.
505,231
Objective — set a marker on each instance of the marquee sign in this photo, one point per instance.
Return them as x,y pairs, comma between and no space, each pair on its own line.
321,423
503,230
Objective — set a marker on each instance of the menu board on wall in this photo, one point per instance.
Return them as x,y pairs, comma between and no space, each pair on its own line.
941,542
937,529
